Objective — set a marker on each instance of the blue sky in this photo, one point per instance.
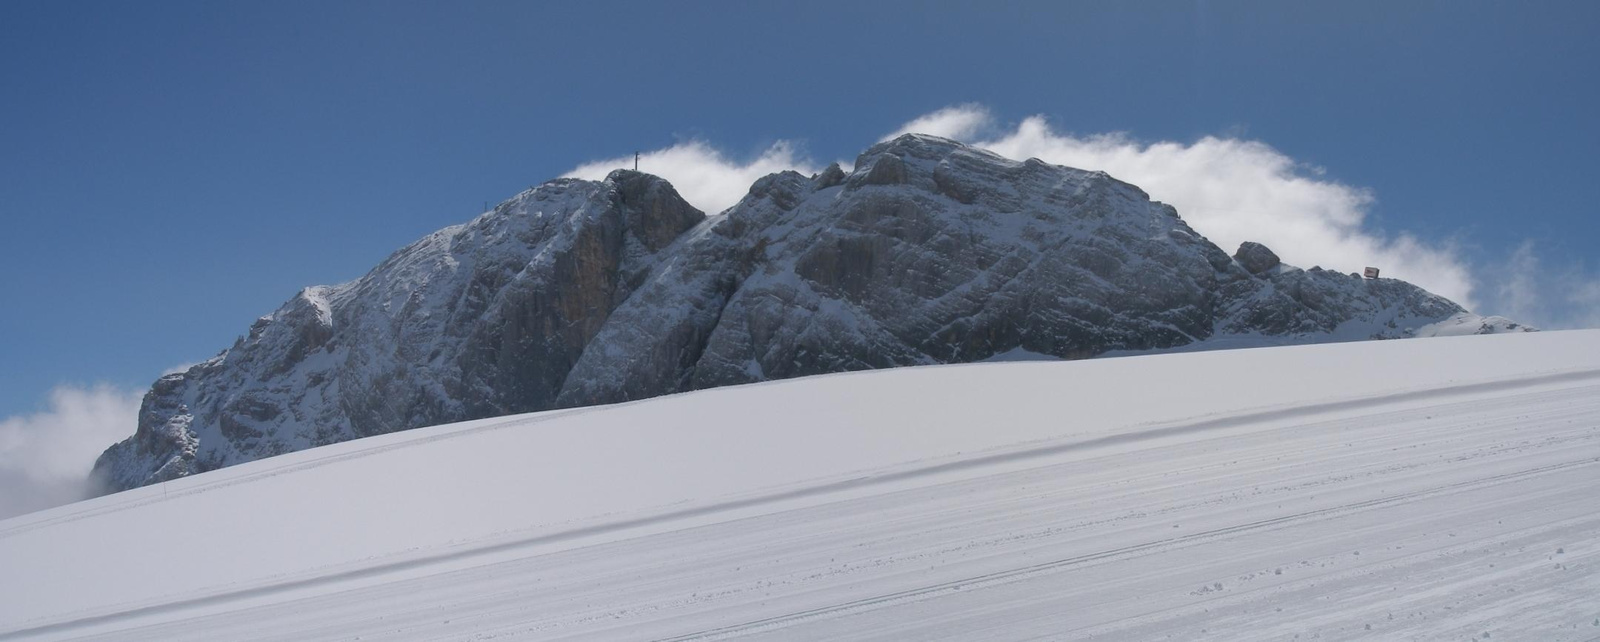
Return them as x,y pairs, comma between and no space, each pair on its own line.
169,171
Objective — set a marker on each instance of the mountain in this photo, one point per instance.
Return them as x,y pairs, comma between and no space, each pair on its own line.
580,292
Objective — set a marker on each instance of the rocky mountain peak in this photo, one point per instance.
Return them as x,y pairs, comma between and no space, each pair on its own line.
1255,257
654,211
581,292
833,175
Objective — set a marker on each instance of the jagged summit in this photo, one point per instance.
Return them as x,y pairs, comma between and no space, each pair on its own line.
581,292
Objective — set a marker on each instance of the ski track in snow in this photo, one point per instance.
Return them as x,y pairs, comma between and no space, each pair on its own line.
1462,511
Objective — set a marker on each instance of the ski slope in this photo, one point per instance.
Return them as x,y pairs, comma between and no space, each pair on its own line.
1422,489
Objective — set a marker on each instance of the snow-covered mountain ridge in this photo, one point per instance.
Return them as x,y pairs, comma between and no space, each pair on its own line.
587,292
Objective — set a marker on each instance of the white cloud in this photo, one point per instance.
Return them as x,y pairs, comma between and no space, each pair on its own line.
961,122
1517,293
704,176
1523,288
1232,191
45,457
1584,298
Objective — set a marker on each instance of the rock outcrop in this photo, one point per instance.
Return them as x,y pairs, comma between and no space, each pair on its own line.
1256,258
580,292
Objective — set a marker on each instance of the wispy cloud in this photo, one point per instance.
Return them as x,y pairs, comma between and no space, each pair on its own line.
704,176
961,122
45,457
1524,288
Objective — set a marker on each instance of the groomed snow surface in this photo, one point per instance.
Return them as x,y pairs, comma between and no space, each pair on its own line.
1441,488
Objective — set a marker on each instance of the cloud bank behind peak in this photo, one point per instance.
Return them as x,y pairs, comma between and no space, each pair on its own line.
1228,188
45,456
707,178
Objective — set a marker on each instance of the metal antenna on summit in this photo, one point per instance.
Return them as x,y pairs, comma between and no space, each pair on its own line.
636,161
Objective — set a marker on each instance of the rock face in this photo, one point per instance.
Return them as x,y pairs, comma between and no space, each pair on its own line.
1255,257
475,320
578,292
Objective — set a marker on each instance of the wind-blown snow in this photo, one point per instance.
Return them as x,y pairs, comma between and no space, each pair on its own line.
1439,488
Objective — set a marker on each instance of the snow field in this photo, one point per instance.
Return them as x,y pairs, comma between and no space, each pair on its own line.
1438,488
